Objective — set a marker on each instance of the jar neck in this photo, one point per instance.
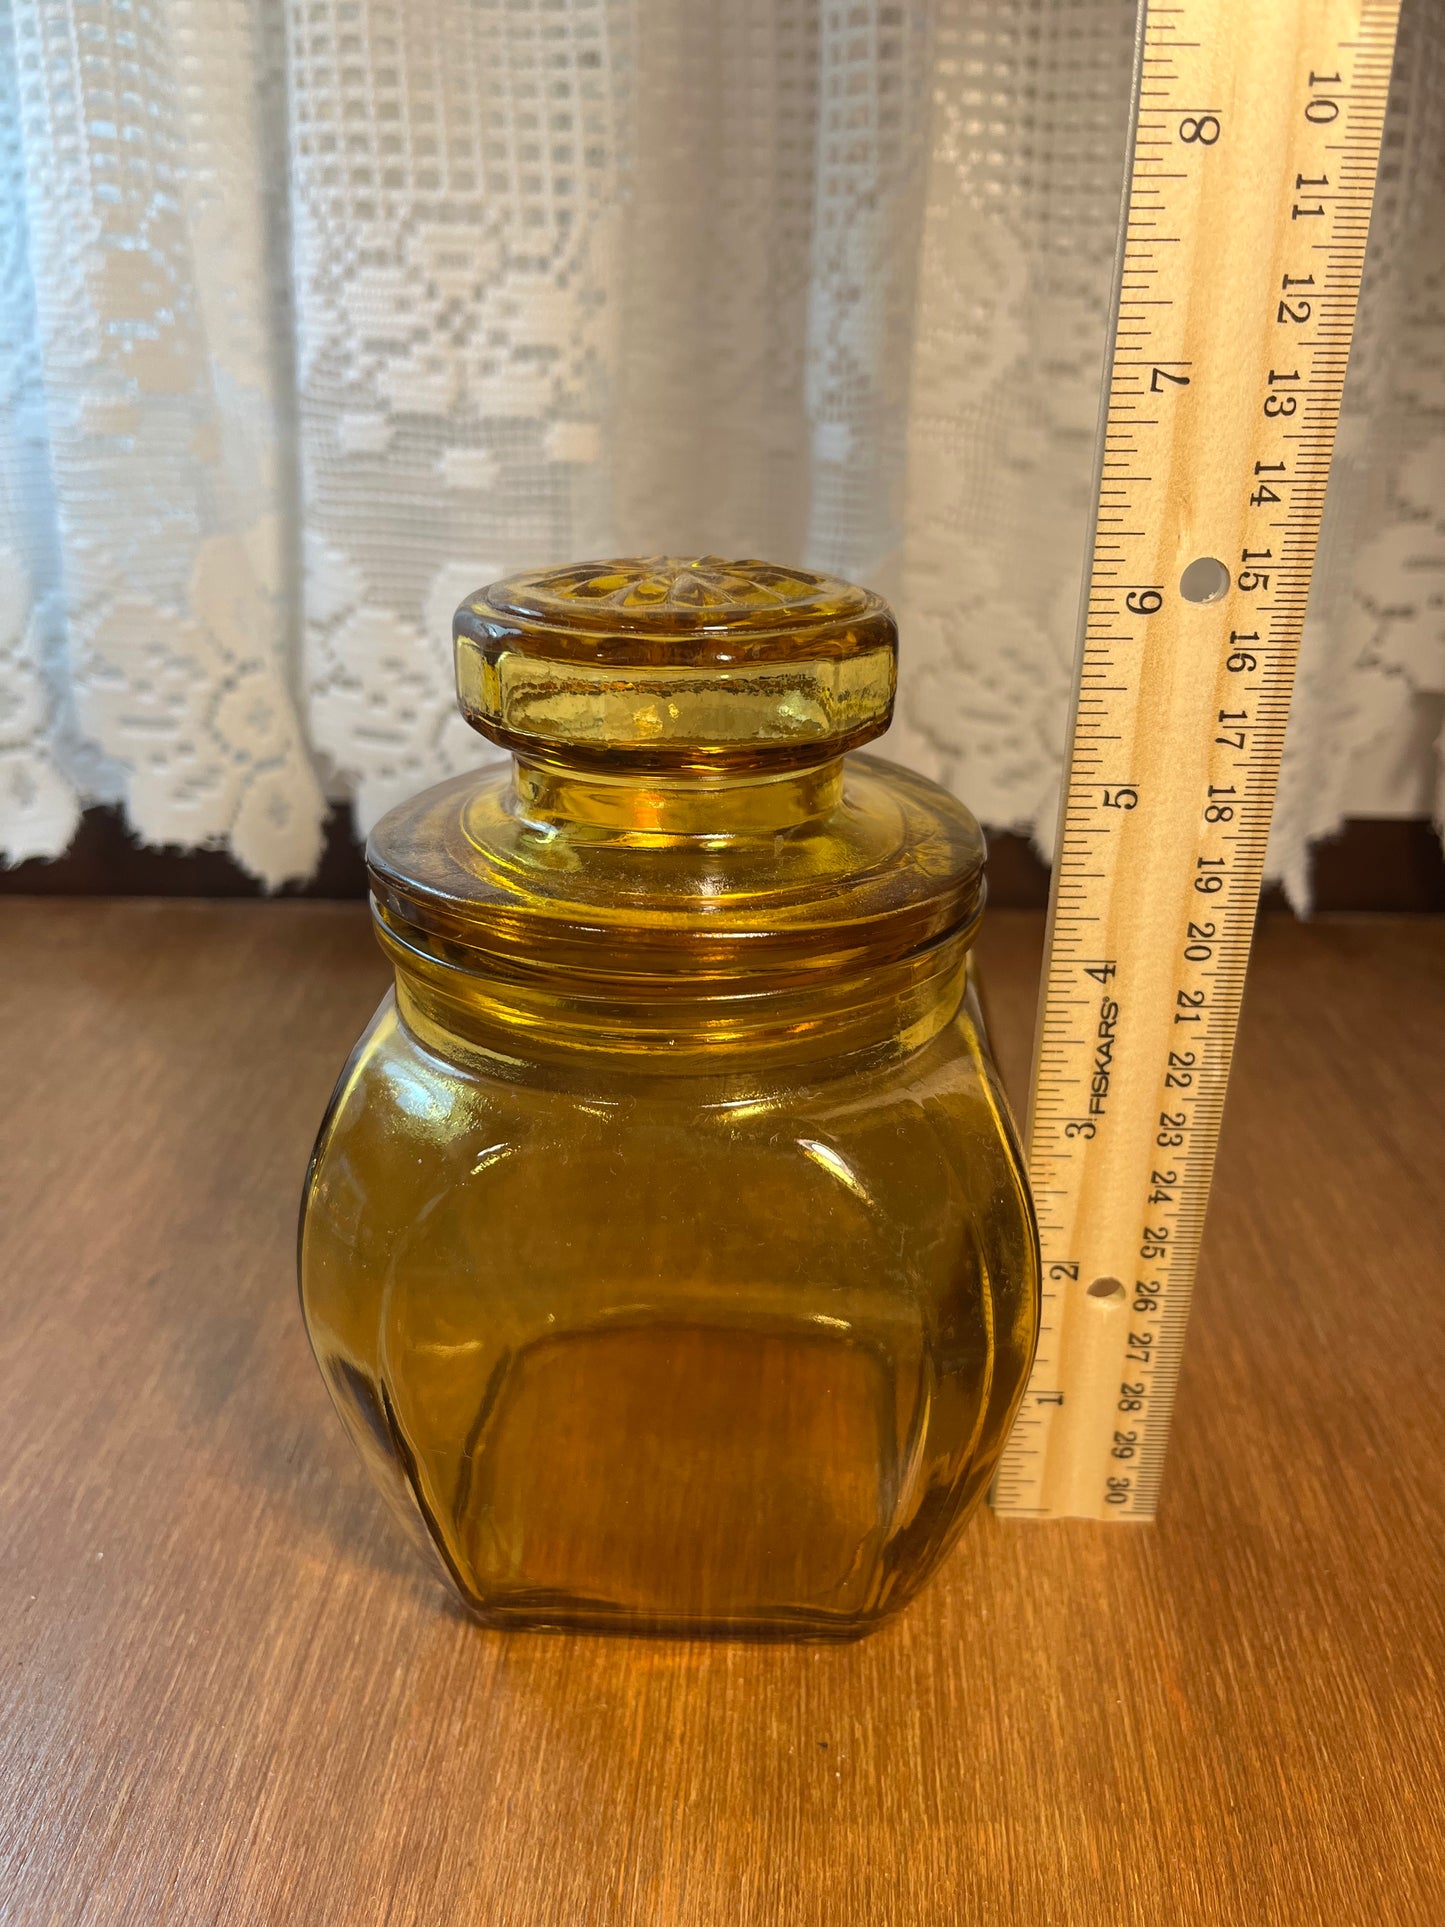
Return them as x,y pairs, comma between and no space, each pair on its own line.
550,909
645,808
678,1027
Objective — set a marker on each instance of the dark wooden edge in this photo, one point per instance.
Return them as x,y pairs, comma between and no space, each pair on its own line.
1375,863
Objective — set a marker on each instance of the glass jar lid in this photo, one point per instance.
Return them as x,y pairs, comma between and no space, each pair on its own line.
659,663
682,823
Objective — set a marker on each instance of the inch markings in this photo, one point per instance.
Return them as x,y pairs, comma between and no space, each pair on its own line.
1251,177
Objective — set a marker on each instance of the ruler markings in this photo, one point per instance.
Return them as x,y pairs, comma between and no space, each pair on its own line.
1243,340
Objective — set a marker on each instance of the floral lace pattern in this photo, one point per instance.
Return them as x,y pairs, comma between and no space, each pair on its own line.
158,642
317,319
457,182
1370,695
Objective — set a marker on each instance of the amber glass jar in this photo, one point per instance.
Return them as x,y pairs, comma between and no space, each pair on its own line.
666,1248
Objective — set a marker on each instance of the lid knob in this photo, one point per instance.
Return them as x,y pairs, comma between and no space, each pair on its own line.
660,664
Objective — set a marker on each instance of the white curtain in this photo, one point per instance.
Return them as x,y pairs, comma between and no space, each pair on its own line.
315,317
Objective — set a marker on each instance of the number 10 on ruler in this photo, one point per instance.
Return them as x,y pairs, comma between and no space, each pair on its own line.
1255,144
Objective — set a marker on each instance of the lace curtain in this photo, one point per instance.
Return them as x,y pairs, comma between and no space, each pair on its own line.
315,317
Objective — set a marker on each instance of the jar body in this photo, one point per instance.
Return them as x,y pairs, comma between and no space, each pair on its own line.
660,1350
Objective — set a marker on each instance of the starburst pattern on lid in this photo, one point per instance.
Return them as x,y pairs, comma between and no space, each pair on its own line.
680,595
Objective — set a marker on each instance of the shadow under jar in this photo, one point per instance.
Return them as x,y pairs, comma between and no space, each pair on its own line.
667,1249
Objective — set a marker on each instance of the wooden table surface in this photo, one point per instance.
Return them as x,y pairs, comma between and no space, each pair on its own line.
227,1695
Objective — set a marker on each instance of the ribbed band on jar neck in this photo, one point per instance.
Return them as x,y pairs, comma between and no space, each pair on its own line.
677,1025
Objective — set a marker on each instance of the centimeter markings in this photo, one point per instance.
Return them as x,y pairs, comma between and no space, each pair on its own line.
1256,142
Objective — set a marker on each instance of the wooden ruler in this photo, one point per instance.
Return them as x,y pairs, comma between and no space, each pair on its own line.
1256,139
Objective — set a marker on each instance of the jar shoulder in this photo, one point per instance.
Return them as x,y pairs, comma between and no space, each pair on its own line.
887,1131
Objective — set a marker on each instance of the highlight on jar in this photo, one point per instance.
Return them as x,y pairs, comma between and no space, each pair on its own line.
667,1248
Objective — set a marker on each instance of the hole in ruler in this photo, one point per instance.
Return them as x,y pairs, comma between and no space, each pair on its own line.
1108,1289
1205,580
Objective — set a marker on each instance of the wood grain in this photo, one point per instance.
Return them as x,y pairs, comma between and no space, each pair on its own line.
228,1696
